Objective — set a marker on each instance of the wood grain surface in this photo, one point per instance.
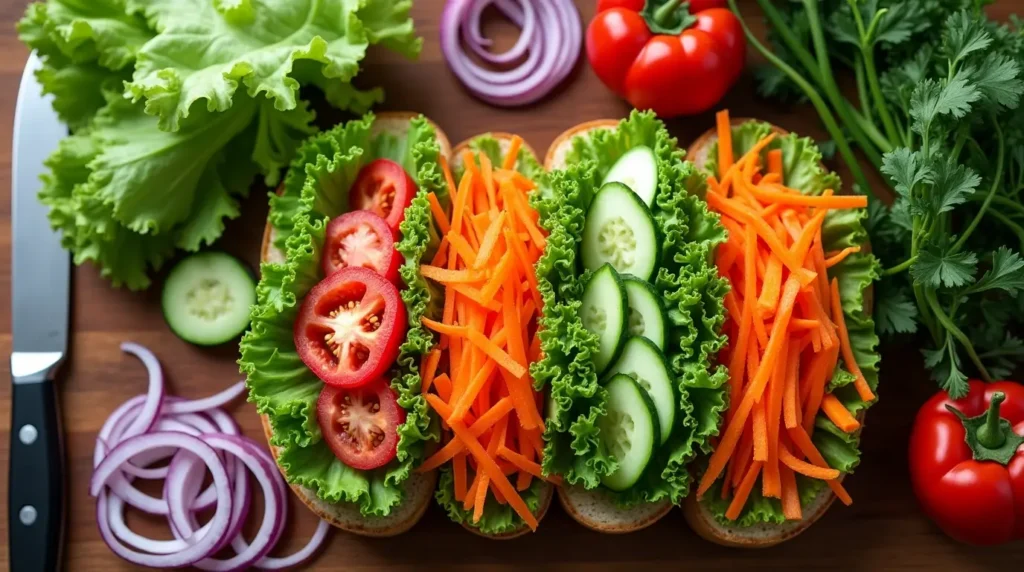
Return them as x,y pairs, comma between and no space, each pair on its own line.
884,529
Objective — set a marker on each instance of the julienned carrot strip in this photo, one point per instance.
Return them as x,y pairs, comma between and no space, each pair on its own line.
442,253
791,199
529,272
512,155
478,428
501,272
443,386
446,276
761,431
750,286
502,359
459,474
803,324
466,398
820,371
743,457
444,329
521,393
840,256
772,286
839,414
859,382
790,495
462,248
428,368
772,482
476,296
804,444
803,244
487,464
489,241
775,162
724,130
487,174
790,406
742,492
459,204
439,215
813,471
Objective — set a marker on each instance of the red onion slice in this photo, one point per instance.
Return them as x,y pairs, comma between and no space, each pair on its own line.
153,427
132,446
155,395
551,35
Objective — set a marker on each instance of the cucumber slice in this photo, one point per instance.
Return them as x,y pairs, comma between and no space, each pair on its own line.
643,361
646,315
638,170
629,430
207,297
620,230
603,312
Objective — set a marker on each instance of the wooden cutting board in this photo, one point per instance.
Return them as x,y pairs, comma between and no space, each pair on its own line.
882,530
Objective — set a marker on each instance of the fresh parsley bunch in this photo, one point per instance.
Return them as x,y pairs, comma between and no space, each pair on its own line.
938,114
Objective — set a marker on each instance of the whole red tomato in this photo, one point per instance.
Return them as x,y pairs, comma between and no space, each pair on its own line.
967,462
675,58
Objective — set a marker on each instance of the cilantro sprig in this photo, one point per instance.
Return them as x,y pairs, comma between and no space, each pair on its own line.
939,116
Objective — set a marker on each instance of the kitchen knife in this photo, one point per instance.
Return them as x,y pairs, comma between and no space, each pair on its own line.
39,301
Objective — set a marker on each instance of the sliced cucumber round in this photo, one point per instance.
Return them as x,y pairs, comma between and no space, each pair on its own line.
629,431
638,170
207,297
620,231
603,312
646,315
641,360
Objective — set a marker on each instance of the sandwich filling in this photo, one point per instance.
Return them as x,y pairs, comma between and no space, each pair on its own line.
802,353
284,388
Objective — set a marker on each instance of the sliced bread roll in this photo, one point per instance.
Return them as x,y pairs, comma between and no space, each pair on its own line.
697,515
419,488
504,141
594,509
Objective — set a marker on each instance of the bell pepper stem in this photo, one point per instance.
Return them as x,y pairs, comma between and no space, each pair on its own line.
664,14
990,434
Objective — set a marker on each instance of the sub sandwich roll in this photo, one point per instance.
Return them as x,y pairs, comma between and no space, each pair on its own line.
802,353
486,308
633,312
332,357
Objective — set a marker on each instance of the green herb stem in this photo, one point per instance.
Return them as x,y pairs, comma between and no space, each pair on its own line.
957,333
812,94
1008,223
991,434
1000,156
905,265
876,93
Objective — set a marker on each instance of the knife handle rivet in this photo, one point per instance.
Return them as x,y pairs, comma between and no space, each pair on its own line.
27,514
28,434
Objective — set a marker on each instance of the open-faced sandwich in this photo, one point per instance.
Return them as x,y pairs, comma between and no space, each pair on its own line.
485,318
633,309
333,355
802,352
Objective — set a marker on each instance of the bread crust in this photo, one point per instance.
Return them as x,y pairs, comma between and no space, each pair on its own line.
419,487
697,515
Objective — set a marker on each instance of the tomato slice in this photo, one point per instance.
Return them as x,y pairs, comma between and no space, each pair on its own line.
360,425
350,326
361,239
385,189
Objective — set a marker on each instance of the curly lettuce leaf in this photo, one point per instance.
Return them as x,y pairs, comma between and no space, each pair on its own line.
86,48
101,31
90,166
206,49
802,170
688,283
280,385
497,518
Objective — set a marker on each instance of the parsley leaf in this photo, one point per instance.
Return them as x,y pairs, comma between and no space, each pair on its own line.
936,269
906,169
1007,273
997,79
895,313
952,184
932,99
964,35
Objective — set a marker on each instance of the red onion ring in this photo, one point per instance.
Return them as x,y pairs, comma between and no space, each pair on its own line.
169,427
132,446
551,35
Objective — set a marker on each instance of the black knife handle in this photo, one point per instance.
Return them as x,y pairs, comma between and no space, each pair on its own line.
35,481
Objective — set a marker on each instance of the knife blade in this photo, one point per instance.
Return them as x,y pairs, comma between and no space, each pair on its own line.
40,284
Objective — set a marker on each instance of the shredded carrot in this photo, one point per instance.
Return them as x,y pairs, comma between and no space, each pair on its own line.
785,327
477,379
839,414
840,256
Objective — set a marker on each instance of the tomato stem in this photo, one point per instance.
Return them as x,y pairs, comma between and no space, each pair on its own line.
991,434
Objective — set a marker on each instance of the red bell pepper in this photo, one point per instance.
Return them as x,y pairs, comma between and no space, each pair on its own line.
967,462
673,57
